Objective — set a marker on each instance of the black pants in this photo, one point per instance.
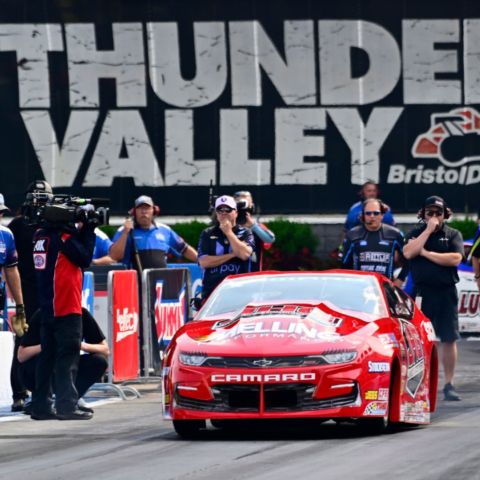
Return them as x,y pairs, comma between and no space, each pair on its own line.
19,390
91,367
60,340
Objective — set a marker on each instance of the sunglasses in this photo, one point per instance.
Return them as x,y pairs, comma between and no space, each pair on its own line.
432,213
376,213
224,210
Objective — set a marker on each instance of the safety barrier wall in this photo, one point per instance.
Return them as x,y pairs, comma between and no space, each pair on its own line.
123,308
166,294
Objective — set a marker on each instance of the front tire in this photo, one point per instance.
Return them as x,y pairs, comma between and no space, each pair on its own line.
188,429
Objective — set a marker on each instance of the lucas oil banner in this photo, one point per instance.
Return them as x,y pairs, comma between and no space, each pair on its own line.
296,101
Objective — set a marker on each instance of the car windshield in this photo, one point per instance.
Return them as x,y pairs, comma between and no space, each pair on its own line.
346,292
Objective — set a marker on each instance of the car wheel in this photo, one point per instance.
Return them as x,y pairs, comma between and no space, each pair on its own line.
373,426
188,428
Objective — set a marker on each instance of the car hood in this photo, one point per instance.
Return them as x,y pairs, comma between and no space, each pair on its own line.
277,330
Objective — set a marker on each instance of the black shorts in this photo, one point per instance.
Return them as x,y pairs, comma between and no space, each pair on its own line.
440,305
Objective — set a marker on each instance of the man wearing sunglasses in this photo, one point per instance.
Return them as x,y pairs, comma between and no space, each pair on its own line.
435,250
373,246
225,248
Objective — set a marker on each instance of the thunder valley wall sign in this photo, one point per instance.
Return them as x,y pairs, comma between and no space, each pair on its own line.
300,107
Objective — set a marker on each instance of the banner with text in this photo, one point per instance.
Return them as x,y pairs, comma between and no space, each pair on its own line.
296,101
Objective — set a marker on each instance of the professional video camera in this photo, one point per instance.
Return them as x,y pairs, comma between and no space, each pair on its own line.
42,208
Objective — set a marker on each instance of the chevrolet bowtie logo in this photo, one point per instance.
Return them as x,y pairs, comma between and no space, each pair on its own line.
263,362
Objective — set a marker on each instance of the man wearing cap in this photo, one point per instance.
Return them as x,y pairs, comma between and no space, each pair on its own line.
151,241
225,248
435,250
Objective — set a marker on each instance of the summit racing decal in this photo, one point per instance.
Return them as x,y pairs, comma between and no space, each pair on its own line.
263,378
454,140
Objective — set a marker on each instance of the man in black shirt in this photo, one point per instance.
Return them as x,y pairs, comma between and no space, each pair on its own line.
435,250
93,362
373,246
224,249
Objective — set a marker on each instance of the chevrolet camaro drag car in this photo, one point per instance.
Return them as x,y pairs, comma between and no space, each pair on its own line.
341,345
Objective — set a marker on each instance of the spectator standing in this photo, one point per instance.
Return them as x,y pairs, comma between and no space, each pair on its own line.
60,252
10,264
262,236
151,241
369,190
101,252
373,246
474,255
92,364
224,248
435,250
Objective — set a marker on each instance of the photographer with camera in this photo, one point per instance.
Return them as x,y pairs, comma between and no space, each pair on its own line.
262,236
60,250
23,232
225,248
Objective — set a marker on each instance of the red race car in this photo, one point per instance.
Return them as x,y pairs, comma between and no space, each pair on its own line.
336,344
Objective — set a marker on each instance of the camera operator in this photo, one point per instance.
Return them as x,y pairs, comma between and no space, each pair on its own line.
262,236
9,265
225,248
60,252
23,231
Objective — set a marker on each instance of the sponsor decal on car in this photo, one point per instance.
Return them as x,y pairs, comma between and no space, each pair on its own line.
277,329
376,408
378,367
383,393
429,330
262,378
371,395
415,358
388,339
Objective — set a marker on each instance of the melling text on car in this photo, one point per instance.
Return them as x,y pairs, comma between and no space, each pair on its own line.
336,345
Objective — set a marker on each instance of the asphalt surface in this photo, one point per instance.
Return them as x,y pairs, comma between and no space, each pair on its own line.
129,439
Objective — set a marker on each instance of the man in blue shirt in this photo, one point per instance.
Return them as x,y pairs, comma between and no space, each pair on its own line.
101,252
151,241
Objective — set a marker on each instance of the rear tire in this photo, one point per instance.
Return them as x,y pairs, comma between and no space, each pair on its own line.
188,429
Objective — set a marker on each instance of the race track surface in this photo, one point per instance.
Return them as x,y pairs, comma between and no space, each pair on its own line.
128,439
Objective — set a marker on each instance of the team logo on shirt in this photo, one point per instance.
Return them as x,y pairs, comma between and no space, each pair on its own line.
40,254
3,248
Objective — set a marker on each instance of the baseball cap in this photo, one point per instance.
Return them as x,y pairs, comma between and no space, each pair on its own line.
225,200
435,201
3,207
144,200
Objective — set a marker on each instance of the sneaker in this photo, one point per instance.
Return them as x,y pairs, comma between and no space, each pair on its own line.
47,415
75,415
450,394
83,406
18,405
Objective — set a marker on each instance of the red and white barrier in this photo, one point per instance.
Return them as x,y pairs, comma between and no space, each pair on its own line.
124,325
